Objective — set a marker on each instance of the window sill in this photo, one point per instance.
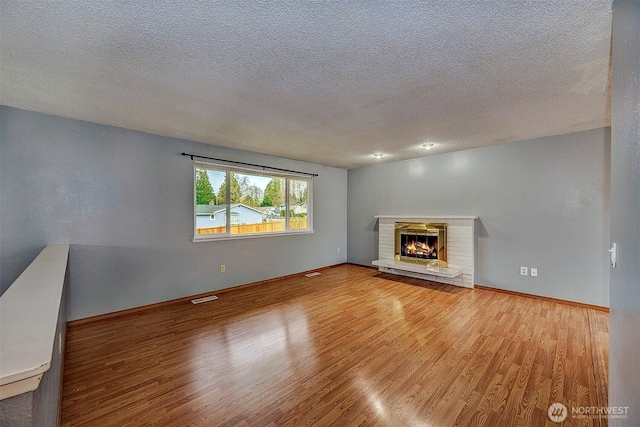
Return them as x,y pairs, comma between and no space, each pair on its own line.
249,236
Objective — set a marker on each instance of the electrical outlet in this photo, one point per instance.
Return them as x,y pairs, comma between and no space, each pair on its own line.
534,272
338,249
222,268
524,271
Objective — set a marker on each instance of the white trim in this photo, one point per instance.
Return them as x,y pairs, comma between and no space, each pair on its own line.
227,201
310,205
232,216
425,216
194,202
287,204
209,237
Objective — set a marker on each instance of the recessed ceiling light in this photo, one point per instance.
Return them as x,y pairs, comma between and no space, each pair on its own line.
378,155
428,146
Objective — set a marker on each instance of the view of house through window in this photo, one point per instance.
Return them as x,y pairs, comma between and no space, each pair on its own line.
259,203
298,190
211,212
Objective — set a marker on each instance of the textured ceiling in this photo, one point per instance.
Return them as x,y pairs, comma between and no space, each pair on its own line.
328,82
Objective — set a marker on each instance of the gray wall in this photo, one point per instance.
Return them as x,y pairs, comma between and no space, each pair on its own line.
624,318
541,203
123,200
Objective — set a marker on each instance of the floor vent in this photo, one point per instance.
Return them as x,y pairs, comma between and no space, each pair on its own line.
204,299
315,273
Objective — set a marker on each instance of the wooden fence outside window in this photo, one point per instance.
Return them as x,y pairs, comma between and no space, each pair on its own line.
264,227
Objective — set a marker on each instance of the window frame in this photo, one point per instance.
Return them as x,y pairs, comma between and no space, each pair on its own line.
235,218
259,172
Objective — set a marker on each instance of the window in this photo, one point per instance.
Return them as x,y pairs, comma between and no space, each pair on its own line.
298,190
236,202
235,218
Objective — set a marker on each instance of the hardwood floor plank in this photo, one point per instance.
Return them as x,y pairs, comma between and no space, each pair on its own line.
599,335
350,347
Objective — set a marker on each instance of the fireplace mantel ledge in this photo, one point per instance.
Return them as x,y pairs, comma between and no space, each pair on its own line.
427,216
417,268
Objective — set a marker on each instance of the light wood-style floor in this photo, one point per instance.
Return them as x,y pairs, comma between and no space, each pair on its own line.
349,347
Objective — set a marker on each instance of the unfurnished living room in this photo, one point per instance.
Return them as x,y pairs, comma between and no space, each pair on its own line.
329,213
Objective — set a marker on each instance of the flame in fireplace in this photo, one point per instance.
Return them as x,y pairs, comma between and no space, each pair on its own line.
420,249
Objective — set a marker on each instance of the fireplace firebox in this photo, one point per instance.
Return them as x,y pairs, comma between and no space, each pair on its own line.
422,243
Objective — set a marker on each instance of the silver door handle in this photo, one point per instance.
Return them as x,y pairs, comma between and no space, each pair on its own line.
614,254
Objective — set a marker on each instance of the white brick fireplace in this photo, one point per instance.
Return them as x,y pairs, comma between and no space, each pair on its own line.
460,250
